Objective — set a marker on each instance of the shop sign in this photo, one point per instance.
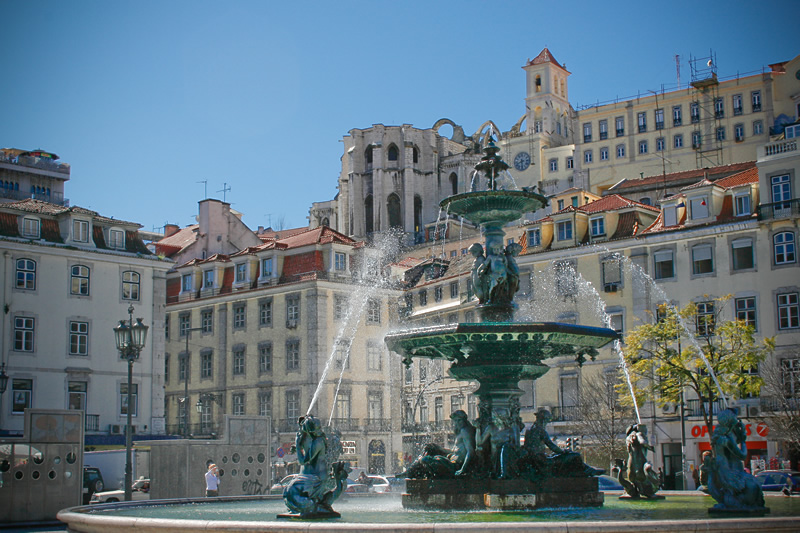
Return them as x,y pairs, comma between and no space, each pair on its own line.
760,429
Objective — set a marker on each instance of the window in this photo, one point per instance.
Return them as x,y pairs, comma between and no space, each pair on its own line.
453,290
612,274
697,139
342,356
340,306
238,403
620,151
438,410
423,371
620,125
24,328
207,364
166,368
719,107
79,280
704,319
123,397
737,104
746,310
265,358
343,405
604,154
437,293
423,298
792,132
702,259
699,208
783,248
642,121
694,112
598,226
642,147
292,311
21,392
566,284
721,133
534,237
677,115
80,231
130,285
340,261
374,405
239,316
781,192
292,405
26,274
265,313
408,374
241,272
659,114
76,395
645,200
116,239
560,205
670,215
564,230
603,129
660,144
293,354
207,320
186,283
742,252
374,359
742,202
374,309
455,403
392,153
587,132
184,324
79,338
266,267
265,403
570,162
587,156
616,322
758,127
755,98
30,227
664,265
238,361
788,311
183,367
677,141
553,165
208,279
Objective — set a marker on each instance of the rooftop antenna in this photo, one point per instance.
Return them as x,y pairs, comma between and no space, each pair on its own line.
205,188
224,190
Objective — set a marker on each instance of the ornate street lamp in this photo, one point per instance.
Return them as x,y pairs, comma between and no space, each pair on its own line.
130,339
201,402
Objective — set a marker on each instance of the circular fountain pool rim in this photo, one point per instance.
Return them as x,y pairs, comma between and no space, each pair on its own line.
79,520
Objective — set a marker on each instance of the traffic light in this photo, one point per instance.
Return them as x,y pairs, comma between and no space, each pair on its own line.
569,443
576,443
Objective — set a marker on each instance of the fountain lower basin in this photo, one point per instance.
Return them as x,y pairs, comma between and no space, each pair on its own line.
680,511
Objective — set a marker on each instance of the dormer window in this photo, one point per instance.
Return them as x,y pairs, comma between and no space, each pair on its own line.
534,237
241,272
699,208
80,231
564,230
339,261
742,204
116,239
598,226
30,227
186,283
670,215
208,279
266,267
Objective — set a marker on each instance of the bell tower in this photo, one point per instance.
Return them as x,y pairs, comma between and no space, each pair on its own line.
547,99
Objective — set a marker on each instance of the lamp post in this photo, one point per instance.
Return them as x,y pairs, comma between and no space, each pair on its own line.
206,397
130,339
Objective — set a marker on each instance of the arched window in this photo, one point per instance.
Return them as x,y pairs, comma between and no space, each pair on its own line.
416,155
454,183
130,285
392,153
79,280
783,248
368,158
368,227
417,213
395,213
538,83
26,274
326,222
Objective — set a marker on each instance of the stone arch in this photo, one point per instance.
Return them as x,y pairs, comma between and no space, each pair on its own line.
392,153
394,208
516,128
417,213
458,131
415,154
368,158
368,218
453,183
482,137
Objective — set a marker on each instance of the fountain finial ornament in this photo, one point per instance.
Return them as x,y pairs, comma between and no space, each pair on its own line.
312,493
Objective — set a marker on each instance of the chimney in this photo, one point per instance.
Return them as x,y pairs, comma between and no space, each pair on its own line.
170,229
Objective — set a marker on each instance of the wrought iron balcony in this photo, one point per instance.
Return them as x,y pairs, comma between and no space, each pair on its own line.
565,413
784,209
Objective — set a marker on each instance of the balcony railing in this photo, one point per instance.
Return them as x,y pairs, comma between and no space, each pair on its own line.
53,198
786,208
693,407
565,413
379,424
346,424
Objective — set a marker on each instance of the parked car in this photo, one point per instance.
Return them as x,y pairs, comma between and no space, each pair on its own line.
776,480
356,487
140,490
278,487
606,482
92,482
379,484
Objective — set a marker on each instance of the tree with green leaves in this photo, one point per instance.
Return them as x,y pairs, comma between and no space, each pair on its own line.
682,347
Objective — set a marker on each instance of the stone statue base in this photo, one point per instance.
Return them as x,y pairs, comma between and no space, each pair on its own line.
651,498
312,516
501,494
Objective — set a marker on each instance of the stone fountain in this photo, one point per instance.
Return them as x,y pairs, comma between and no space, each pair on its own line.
488,468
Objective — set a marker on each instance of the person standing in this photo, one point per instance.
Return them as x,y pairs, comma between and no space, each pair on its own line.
212,481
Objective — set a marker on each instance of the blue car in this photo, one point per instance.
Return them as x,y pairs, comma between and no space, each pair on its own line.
777,480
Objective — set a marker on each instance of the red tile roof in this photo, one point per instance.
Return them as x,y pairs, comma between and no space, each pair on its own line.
319,235
270,234
713,174
545,56
737,180
614,202
177,241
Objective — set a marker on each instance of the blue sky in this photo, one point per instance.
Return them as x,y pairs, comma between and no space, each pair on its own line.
146,99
